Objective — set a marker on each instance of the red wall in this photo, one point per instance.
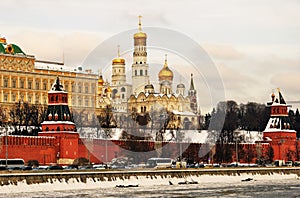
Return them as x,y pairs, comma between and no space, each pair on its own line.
45,149
29,148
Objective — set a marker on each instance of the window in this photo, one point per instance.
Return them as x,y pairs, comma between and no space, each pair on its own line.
66,87
29,98
73,87
45,85
135,72
5,82
86,88
13,83
37,99
45,99
29,84
141,72
123,89
5,97
86,102
37,85
22,84
13,98
79,101
123,96
92,102
93,88
146,73
79,88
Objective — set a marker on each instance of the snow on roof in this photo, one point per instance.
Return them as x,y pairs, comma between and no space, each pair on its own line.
47,65
183,113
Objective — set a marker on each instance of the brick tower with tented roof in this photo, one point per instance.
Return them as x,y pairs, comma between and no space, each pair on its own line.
59,123
279,132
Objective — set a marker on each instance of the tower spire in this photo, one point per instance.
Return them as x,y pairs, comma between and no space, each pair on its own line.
140,23
118,51
166,60
192,87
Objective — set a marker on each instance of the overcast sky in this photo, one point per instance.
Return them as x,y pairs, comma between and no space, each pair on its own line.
255,44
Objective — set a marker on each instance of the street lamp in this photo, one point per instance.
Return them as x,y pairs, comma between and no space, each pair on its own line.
6,142
236,149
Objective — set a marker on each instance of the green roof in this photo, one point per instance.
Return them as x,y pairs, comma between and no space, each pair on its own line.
2,49
16,49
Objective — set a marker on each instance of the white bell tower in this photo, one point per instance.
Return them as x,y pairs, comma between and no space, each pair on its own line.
140,68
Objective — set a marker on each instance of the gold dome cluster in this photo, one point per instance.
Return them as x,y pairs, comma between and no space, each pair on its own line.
165,73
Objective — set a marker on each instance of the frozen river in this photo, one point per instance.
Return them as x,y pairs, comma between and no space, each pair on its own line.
208,186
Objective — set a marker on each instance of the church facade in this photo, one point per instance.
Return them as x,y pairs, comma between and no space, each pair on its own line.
141,97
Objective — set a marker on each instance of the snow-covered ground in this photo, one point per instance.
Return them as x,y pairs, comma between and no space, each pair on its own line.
145,182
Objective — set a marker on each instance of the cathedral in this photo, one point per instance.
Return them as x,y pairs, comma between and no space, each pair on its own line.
141,98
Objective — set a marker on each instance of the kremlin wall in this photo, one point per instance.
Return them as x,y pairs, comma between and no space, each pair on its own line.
62,90
60,143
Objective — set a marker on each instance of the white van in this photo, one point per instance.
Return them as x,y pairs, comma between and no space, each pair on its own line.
99,166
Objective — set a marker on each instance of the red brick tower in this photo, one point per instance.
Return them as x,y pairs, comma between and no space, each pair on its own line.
59,123
279,132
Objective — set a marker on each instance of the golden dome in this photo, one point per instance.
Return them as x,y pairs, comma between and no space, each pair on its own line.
118,60
108,90
165,73
100,80
140,35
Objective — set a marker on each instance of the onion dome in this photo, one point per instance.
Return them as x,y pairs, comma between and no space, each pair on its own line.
118,60
140,34
181,85
108,90
100,80
165,73
273,96
150,86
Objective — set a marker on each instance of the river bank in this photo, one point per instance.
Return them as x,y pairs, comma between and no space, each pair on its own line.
15,182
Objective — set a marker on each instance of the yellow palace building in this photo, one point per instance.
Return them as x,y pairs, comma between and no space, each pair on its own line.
23,77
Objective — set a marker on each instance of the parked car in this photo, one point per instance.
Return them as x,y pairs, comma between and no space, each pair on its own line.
71,167
296,163
99,166
27,168
55,167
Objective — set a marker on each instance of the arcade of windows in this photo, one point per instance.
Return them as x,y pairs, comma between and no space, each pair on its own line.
141,72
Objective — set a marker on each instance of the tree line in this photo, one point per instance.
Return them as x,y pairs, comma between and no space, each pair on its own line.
228,117
26,118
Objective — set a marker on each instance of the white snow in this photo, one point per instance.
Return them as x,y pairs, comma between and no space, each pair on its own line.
143,181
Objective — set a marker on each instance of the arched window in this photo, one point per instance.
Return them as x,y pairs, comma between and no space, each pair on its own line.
123,89
58,129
